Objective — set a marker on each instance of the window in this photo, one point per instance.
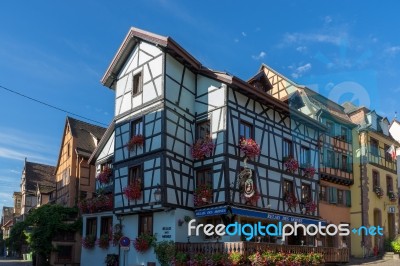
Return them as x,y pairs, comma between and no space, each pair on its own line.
287,187
245,130
18,203
330,128
343,133
374,147
64,253
107,164
340,197
204,177
330,159
28,201
203,129
68,150
106,226
146,224
305,192
333,195
287,148
305,156
389,184
215,222
344,162
322,193
137,84
388,156
137,127
135,174
91,226
375,179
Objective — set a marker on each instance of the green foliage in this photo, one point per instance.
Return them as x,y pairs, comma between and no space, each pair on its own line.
165,251
181,257
396,245
235,257
17,237
388,244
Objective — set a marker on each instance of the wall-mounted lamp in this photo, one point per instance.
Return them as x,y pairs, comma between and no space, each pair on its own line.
157,194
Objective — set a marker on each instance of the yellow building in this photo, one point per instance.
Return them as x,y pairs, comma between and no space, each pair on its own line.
375,189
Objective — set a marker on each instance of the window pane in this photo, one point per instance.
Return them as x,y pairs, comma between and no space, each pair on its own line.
245,130
203,129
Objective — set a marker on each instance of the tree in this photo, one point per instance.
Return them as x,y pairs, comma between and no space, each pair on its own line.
17,237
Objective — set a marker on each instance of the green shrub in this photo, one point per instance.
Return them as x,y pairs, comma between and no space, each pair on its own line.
165,251
396,245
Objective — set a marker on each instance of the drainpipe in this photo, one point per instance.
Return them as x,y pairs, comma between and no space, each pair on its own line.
362,190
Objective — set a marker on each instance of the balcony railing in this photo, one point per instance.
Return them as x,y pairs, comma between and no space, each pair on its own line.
331,255
383,161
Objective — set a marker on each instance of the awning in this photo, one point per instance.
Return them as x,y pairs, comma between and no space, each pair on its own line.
211,211
275,217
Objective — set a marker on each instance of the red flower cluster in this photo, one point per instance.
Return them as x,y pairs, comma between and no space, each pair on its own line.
97,204
290,200
291,165
249,147
143,242
311,206
105,176
133,191
89,241
136,140
202,195
202,148
104,241
309,171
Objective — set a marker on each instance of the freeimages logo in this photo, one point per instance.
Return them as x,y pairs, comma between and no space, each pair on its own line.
279,230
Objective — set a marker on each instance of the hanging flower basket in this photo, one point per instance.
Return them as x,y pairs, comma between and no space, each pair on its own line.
309,171
291,200
310,206
135,141
392,196
105,176
133,191
202,195
143,242
89,242
100,203
104,241
202,148
378,191
291,165
249,147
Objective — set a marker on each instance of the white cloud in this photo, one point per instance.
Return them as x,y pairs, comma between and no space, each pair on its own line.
301,49
393,50
301,70
327,19
244,34
293,38
236,40
260,56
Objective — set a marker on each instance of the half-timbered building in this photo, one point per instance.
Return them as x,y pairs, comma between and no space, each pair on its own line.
193,143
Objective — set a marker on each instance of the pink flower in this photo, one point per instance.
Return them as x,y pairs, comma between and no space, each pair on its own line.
249,147
202,148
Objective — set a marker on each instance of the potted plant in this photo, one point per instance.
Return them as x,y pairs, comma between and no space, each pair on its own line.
378,191
143,242
249,147
135,141
104,177
291,165
235,258
392,196
202,148
133,191
89,241
290,200
165,252
309,171
104,241
111,260
180,259
202,195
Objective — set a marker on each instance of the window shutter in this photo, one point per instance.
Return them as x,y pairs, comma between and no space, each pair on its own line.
333,195
348,198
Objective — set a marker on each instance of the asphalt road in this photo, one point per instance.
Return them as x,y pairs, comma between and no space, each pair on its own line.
14,262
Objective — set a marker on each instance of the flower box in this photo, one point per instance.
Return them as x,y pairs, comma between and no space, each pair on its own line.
135,141
310,206
202,195
96,204
291,165
104,241
133,191
378,191
309,171
392,196
143,242
105,176
202,148
89,241
249,147
291,200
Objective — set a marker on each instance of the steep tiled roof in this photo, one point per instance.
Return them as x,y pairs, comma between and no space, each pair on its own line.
41,174
85,135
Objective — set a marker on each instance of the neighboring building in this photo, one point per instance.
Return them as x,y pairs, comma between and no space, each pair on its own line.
45,194
101,222
335,145
7,220
33,175
17,196
75,180
169,98
375,192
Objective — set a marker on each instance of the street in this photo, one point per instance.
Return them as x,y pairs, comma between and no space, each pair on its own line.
14,262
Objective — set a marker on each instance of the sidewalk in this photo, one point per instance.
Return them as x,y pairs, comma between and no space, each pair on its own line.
7,261
374,261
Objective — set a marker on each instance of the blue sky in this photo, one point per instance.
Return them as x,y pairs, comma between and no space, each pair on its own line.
57,51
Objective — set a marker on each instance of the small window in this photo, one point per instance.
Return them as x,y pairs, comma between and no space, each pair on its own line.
305,192
64,253
330,128
389,184
287,148
146,224
135,174
330,159
137,84
322,193
288,187
375,180
343,133
106,226
18,203
204,177
203,129
344,162
245,130
340,197
68,150
91,226
388,156
305,156
374,147
137,127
